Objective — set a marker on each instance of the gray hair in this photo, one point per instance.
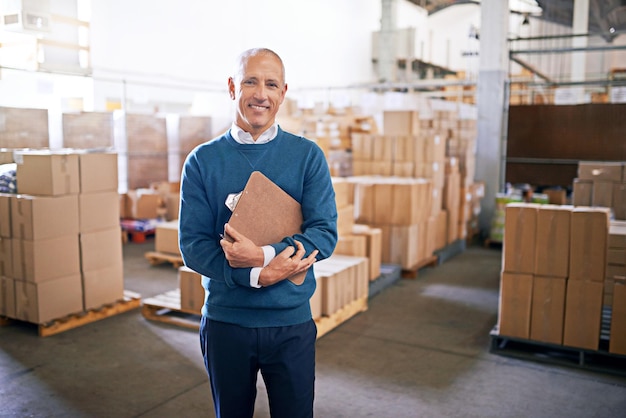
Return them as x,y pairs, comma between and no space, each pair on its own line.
244,56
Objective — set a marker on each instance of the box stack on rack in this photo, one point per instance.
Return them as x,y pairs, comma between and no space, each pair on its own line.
601,183
400,208
553,271
615,286
65,235
356,240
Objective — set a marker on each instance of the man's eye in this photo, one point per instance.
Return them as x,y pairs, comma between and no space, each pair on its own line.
249,82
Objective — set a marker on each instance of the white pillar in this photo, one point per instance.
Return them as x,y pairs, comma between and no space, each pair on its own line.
580,24
492,75
387,44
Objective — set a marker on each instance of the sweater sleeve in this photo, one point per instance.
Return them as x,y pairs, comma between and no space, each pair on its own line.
200,229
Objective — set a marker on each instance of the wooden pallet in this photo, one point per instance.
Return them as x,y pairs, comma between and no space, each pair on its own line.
326,324
156,258
427,262
130,301
599,360
166,308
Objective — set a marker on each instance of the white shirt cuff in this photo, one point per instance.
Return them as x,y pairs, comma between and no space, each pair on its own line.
268,255
254,277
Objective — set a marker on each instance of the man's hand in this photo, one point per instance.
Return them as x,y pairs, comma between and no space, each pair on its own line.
286,264
241,252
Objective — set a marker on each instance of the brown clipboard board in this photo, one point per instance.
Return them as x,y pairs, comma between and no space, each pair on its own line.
266,214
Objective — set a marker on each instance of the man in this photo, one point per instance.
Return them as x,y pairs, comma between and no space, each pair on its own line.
254,318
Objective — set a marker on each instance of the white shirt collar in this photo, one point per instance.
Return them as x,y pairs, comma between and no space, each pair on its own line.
244,137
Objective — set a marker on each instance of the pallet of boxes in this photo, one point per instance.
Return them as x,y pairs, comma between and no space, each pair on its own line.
554,265
61,251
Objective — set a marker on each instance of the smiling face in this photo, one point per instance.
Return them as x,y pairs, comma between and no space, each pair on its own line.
259,88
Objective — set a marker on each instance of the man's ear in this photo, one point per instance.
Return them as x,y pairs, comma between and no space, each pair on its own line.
231,88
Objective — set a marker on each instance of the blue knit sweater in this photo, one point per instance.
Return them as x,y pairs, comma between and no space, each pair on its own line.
222,166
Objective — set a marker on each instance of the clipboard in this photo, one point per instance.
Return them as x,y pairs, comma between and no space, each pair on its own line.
266,214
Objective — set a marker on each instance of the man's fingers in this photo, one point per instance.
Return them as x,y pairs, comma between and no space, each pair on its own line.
232,232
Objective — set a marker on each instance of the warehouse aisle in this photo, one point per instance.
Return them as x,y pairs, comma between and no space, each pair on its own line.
420,350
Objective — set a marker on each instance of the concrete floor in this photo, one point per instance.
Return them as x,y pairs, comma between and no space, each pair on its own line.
420,350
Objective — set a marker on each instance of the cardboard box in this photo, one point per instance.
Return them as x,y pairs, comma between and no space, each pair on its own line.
5,215
613,270
350,244
46,259
374,250
100,249
45,173
406,149
98,172
316,300
548,309
53,299
583,314
7,297
98,211
191,290
103,286
520,229
40,217
331,281
617,339
6,257
589,244
172,205
553,241
619,200
515,304
400,245
602,194
435,149
582,192
401,122
557,196
345,220
600,170
141,204
166,237
441,236
617,234
617,256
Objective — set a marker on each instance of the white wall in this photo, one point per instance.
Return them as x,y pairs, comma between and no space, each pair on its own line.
195,43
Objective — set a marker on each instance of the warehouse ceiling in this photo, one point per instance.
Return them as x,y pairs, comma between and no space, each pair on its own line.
605,16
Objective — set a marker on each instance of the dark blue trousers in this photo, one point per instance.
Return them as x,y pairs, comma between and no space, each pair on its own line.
233,356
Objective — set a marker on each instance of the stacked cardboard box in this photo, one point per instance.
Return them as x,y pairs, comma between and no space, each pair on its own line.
400,208
355,240
617,341
191,290
24,128
65,247
341,280
601,183
616,259
147,146
615,286
554,261
88,130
